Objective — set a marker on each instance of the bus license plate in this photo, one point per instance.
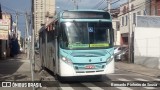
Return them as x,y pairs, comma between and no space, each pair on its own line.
89,66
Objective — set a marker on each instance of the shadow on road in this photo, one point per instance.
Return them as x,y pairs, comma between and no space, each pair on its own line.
8,69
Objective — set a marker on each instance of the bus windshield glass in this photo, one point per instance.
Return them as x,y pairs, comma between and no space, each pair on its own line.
86,35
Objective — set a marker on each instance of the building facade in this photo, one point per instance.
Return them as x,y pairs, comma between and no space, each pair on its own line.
115,25
155,7
127,17
5,29
42,9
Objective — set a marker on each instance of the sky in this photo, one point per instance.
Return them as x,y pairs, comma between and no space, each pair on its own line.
22,6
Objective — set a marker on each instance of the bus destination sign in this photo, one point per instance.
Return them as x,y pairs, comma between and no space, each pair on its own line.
85,15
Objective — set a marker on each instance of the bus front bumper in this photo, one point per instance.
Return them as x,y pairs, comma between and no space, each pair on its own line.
68,70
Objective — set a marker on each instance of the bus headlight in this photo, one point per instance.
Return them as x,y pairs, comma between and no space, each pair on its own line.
109,59
66,60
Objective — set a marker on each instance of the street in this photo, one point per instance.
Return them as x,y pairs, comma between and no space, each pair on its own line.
19,70
92,83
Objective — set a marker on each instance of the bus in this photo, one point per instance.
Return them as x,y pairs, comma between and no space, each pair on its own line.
78,43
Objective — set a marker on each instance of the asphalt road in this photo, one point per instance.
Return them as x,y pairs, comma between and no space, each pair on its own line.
94,83
19,70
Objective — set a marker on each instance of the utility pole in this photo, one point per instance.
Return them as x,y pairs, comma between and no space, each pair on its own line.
0,12
16,35
32,61
27,35
109,5
32,52
129,36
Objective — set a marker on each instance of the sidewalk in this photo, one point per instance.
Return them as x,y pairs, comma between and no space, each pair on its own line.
16,68
138,69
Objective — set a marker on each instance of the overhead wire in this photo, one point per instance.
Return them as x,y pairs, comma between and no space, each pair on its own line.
98,4
111,4
115,2
13,11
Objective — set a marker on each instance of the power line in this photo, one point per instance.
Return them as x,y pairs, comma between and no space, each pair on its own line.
99,4
11,9
111,4
115,2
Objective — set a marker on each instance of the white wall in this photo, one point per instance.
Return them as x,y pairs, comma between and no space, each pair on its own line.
115,24
147,42
147,47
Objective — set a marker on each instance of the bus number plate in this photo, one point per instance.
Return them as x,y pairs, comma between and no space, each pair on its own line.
89,66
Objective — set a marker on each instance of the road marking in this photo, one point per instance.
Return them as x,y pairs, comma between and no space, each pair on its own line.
140,79
123,79
124,88
157,79
66,87
115,74
92,86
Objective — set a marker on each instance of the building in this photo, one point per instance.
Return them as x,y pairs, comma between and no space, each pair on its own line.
115,24
5,29
155,7
41,10
147,41
127,24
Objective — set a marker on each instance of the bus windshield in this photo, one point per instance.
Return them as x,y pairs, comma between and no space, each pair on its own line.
86,35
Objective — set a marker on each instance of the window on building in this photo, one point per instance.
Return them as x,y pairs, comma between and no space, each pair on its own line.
144,12
126,19
134,18
139,13
122,21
